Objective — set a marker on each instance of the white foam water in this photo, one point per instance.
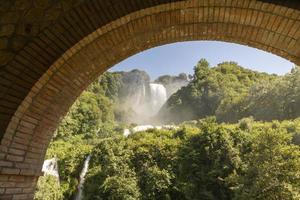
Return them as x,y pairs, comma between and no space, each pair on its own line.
84,170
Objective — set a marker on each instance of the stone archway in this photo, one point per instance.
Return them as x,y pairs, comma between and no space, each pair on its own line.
52,50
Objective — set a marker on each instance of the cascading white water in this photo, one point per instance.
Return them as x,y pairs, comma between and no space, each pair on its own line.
50,167
82,178
146,100
158,96
140,128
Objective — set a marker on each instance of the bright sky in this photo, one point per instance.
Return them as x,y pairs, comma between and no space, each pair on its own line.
181,57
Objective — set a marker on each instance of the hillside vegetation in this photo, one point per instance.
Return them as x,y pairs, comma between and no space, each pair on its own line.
238,137
207,160
231,92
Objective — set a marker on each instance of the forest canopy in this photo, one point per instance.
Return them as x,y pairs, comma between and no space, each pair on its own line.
237,136
231,92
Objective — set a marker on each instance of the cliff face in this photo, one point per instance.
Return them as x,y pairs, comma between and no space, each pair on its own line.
131,94
132,82
140,99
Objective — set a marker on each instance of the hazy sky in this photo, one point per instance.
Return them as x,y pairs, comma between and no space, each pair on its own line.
182,57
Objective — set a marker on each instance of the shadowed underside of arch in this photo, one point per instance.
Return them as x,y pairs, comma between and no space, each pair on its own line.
50,51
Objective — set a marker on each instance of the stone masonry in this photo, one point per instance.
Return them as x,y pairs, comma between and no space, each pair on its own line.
51,50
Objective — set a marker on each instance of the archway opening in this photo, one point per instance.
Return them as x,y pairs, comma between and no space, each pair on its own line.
127,115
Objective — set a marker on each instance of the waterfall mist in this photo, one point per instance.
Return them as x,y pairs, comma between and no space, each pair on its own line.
146,101
140,100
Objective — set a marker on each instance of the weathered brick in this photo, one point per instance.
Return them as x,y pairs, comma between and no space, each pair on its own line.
6,197
23,184
18,146
13,190
3,43
7,184
14,158
5,163
28,190
10,171
5,56
16,178
44,75
16,151
20,196
7,30
28,172
4,177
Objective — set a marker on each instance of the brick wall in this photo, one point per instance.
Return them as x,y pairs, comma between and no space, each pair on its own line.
50,51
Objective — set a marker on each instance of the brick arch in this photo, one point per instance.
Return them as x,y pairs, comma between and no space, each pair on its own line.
46,74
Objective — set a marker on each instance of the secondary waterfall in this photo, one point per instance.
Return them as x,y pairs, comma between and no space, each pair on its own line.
82,178
50,167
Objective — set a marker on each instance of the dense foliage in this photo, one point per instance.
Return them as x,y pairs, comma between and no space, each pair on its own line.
90,118
231,92
48,189
203,161
93,112
241,159
200,160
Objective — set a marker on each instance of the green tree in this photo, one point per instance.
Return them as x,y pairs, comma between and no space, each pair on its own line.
206,161
155,162
120,188
84,117
111,176
48,188
70,154
156,183
273,168
231,92
292,99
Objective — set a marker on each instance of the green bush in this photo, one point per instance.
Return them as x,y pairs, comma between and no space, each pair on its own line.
48,188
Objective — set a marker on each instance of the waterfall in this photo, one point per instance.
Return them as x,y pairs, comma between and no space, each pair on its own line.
145,100
82,178
158,96
50,167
